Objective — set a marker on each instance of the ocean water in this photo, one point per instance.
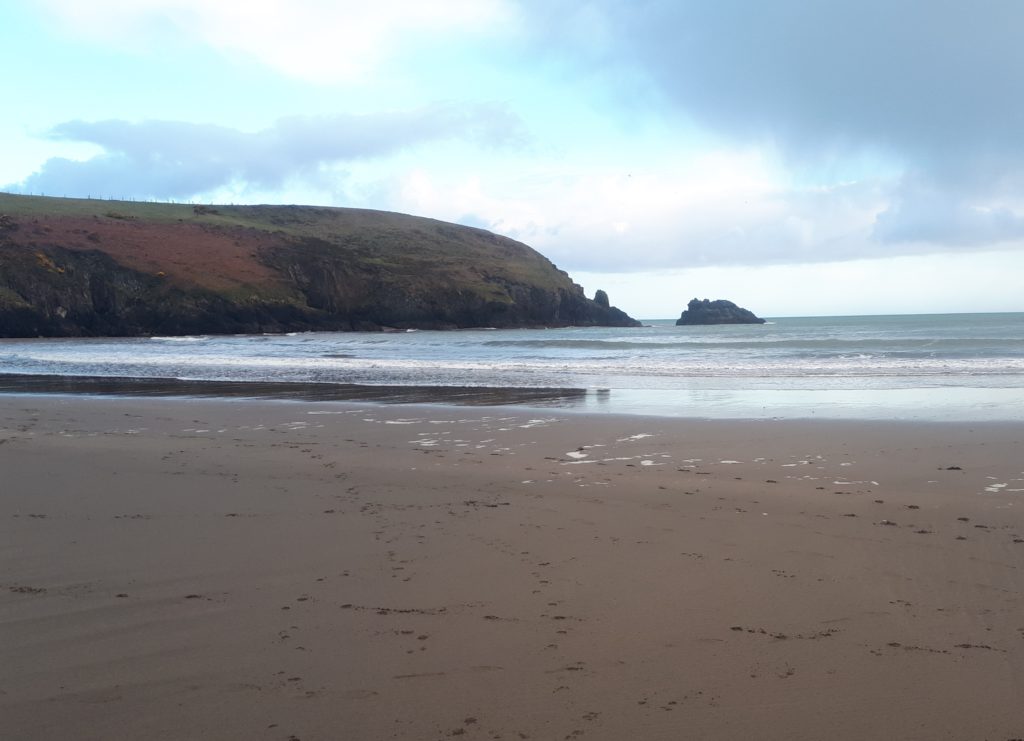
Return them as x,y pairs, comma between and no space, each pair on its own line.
932,367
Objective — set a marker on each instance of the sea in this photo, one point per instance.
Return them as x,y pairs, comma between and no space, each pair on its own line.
939,367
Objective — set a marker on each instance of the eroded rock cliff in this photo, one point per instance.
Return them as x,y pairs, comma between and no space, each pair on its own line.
72,267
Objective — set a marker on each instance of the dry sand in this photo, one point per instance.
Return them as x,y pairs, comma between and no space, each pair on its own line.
238,570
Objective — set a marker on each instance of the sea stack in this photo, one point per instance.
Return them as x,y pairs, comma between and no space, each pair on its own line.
716,312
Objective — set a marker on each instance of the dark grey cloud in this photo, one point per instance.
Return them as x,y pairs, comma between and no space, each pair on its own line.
936,86
174,159
936,80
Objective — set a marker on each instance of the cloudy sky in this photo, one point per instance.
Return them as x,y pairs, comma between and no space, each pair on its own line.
800,157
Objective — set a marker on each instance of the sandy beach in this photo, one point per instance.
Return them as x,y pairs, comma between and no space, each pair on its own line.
183,569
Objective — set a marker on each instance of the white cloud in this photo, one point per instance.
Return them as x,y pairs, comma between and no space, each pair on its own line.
319,41
183,160
922,211
718,208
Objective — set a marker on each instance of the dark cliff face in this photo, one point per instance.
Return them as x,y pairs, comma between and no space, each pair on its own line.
54,292
89,268
716,312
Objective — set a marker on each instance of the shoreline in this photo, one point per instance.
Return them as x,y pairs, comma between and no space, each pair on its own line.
924,405
459,401
218,569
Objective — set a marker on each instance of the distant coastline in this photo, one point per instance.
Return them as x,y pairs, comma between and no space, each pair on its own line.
92,268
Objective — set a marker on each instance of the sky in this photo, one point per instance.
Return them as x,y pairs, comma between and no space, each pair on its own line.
798,157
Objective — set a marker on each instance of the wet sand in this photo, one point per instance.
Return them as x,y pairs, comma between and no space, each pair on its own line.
566,398
184,569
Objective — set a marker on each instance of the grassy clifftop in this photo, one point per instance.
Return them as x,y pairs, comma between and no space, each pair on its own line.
85,267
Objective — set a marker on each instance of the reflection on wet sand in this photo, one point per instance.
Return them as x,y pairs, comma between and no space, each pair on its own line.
459,395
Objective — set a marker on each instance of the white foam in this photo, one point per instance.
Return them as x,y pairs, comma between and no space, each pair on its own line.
537,423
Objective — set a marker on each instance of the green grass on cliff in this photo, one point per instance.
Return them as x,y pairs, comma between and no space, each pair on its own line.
41,206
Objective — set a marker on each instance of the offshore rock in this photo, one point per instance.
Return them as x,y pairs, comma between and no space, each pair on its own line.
716,312
82,267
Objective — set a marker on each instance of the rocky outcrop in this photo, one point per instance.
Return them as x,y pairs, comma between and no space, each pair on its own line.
86,268
716,312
